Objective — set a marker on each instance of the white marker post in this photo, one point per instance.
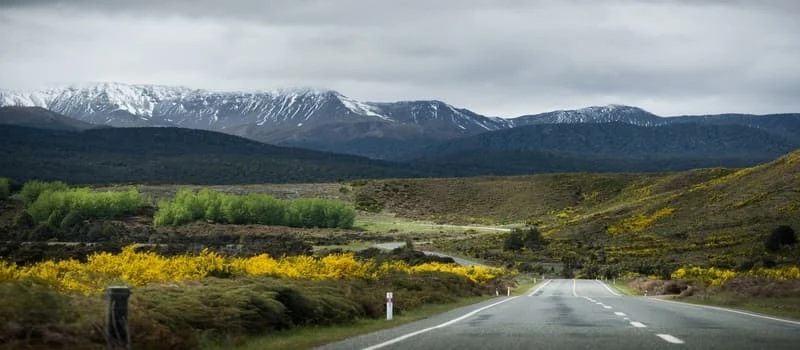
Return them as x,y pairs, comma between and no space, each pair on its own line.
389,306
508,293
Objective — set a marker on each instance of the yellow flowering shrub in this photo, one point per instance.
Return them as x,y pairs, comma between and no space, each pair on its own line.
140,268
715,277
639,222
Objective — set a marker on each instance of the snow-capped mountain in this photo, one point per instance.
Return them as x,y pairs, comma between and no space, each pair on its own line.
328,120
594,114
117,104
295,116
109,104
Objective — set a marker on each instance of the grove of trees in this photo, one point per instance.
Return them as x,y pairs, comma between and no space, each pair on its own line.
73,204
188,206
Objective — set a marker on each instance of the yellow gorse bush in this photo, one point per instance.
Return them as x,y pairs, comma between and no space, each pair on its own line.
639,222
140,268
715,277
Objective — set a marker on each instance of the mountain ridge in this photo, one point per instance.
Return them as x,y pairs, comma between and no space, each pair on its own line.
305,117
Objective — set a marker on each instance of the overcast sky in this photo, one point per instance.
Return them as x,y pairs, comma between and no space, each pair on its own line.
500,58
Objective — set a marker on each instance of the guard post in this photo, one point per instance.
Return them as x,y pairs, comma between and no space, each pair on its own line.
389,305
117,317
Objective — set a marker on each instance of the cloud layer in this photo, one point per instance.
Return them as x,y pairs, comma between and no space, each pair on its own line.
502,58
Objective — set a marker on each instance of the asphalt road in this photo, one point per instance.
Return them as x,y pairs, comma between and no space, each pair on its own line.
583,314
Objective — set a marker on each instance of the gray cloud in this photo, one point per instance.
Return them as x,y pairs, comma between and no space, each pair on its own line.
495,57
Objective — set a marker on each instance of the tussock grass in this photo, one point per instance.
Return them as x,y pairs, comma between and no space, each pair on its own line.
221,311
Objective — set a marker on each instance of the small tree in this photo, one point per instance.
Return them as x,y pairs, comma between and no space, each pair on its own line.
782,235
514,241
534,238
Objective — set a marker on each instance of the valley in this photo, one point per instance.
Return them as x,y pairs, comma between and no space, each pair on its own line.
441,205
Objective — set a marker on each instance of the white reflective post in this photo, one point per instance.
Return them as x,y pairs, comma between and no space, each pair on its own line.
389,306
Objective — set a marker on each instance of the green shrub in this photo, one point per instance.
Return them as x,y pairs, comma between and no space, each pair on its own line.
86,203
533,238
189,206
367,203
782,235
5,189
514,241
72,219
24,220
32,189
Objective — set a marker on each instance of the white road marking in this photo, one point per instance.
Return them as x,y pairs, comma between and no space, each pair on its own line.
607,288
574,282
729,310
627,319
670,339
638,325
619,313
606,306
539,288
412,334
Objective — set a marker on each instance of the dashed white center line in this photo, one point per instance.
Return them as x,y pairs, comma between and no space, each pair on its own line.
638,324
670,339
619,313
606,306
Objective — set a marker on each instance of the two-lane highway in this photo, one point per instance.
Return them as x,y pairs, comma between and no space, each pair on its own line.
584,314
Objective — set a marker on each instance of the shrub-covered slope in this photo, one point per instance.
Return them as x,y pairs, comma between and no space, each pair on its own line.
712,216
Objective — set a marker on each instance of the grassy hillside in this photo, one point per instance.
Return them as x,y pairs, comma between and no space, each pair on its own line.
717,217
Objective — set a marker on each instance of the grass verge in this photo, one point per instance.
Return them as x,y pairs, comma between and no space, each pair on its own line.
624,287
526,282
309,337
788,307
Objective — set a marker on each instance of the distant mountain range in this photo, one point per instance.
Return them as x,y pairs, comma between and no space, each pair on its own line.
281,117
435,137
327,120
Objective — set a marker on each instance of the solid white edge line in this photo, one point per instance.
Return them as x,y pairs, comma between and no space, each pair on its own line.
574,283
729,310
412,334
608,289
638,324
670,339
539,288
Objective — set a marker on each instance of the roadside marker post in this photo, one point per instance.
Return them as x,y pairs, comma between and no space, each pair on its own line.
508,292
389,305
117,320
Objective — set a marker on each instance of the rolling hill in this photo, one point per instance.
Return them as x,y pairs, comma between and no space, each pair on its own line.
607,147
172,155
646,222
37,117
